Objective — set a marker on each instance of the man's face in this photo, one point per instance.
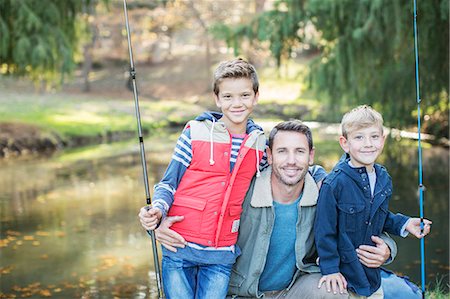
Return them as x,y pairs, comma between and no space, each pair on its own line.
290,157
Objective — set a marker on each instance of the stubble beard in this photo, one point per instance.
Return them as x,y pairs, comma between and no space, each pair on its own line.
288,181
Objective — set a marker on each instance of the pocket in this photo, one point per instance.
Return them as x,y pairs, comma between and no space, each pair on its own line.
352,269
232,222
192,210
236,278
189,202
352,215
380,219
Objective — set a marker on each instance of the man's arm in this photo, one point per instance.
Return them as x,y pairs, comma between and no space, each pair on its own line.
167,237
382,253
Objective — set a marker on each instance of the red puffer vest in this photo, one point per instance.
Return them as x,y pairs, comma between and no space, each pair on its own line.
209,196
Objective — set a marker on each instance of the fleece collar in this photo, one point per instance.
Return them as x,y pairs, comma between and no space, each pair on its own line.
262,191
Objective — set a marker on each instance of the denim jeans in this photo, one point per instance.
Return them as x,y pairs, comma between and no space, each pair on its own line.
184,279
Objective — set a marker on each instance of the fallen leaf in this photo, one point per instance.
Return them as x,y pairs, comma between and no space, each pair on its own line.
45,293
60,234
12,233
42,233
6,270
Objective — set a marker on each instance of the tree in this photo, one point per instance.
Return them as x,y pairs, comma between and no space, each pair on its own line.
38,37
368,56
279,27
366,53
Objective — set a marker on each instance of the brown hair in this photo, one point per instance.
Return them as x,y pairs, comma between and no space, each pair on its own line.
236,68
292,126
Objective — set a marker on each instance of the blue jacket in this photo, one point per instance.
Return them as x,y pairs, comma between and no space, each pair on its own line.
347,217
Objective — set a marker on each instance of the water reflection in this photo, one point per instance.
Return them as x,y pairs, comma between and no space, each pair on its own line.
69,227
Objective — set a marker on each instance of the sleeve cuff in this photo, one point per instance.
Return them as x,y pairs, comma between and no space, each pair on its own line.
403,232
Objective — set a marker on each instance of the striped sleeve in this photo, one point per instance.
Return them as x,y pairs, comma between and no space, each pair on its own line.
165,190
263,164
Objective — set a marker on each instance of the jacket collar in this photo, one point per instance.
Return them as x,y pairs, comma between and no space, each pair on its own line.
262,191
357,174
213,116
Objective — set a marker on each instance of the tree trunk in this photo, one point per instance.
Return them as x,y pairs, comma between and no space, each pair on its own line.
88,47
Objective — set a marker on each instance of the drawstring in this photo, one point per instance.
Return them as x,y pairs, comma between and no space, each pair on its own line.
211,142
258,173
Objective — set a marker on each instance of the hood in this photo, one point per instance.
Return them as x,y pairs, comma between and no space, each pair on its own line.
216,116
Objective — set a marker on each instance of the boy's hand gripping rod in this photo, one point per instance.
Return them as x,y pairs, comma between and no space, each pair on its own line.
142,150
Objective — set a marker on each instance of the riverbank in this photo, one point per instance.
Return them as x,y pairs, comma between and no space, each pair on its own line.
34,122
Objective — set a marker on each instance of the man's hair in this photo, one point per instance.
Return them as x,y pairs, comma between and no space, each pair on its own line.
291,126
234,69
359,118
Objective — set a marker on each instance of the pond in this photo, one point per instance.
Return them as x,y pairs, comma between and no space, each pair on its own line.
69,226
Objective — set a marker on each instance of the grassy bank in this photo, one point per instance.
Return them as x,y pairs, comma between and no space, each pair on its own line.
35,121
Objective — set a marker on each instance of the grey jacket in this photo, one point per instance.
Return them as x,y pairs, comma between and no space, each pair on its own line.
256,226
257,221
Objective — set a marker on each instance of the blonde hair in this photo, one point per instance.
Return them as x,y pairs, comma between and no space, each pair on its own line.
234,69
360,117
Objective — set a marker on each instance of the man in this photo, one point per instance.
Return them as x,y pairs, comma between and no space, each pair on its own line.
276,233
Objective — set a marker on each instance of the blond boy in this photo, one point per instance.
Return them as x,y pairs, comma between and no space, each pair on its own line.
353,207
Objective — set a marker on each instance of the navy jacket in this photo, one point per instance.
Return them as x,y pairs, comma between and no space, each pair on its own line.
347,216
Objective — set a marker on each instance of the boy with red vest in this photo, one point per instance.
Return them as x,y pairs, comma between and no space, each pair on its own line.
214,161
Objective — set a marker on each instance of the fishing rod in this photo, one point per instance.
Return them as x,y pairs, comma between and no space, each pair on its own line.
419,146
142,151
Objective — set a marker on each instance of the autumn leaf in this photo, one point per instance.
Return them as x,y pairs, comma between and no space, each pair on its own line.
45,293
6,270
12,233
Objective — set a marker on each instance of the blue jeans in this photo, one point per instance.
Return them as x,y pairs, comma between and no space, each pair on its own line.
184,279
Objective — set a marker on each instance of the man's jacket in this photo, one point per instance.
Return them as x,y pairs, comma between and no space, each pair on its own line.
257,222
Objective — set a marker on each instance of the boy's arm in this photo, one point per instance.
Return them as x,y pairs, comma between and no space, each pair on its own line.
395,224
325,231
164,191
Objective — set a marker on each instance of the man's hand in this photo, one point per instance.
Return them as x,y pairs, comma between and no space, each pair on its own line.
413,227
168,238
373,256
333,282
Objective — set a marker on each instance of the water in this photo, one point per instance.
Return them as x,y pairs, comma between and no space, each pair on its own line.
69,226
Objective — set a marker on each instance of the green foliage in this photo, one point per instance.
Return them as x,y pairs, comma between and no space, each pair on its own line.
366,53
38,38
277,27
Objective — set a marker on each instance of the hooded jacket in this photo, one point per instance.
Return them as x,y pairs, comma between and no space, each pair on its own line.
209,196
347,216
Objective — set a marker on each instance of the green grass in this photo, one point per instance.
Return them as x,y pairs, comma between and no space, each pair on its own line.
69,115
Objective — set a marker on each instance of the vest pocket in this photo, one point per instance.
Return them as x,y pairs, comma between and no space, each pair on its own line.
352,215
192,210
